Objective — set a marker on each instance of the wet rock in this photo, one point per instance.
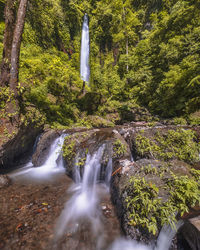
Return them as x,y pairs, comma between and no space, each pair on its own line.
189,235
43,147
4,181
16,150
78,145
152,171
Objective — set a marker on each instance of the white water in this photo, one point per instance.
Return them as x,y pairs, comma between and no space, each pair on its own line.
164,240
53,165
84,203
85,51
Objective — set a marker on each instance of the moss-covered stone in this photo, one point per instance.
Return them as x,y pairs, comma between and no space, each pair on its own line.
168,144
153,193
78,145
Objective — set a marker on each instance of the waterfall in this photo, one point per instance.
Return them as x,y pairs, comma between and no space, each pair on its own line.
84,203
53,165
85,51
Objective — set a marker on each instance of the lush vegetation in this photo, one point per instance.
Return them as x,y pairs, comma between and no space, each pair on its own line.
149,209
179,144
143,51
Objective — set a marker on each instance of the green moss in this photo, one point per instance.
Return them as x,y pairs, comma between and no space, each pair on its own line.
94,122
68,149
145,207
118,148
179,121
179,144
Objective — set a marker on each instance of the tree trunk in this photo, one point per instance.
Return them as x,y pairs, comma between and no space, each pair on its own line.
10,63
15,52
9,14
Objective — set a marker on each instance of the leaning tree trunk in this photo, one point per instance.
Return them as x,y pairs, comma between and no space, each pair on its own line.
15,52
9,14
10,64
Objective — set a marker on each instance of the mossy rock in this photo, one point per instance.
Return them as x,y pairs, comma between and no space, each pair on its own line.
94,121
167,144
150,193
78,145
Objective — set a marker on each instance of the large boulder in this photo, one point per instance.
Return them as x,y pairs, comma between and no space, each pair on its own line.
163,142
148,193
78,145
15,149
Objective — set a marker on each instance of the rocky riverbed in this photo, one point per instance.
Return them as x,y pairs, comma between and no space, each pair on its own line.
161,160
29,212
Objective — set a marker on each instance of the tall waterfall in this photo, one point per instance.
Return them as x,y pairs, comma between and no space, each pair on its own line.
85,51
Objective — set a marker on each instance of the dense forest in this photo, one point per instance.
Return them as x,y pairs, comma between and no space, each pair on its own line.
142,53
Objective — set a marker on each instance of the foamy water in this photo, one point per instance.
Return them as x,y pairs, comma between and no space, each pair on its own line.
53,165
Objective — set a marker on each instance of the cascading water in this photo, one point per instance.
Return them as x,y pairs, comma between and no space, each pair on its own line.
53,165
85,51
85,200
84,207
83,212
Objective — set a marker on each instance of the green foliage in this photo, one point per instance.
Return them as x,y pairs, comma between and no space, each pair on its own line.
68,149
146,52
145,207
150,210
180,144
53,84
119,149
194,119
93,122
179,121
184,193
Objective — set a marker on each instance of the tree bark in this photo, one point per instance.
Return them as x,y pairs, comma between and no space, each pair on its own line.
10,17
15,52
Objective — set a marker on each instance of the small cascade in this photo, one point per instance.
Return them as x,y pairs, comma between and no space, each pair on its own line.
83,205
164,240
53,165
166,236
83,208
85,51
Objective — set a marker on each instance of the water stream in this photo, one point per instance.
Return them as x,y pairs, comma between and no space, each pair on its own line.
84,206
82,217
